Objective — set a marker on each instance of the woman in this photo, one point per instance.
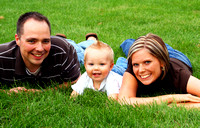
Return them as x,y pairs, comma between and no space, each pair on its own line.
150,70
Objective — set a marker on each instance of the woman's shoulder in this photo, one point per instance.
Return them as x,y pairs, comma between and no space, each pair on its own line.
178,65
179,73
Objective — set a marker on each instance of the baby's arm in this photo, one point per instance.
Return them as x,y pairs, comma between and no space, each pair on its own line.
114,83
113,96
74,94
79,86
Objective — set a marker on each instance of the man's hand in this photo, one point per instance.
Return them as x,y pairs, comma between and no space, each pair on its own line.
18,89
23,89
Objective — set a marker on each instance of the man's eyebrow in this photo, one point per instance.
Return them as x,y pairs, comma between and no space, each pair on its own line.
37,39
31,39
47,39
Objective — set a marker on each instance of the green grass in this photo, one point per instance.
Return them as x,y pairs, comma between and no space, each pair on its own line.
176,21
93,109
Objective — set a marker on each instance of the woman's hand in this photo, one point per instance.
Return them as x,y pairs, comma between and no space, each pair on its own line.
181,98
172,98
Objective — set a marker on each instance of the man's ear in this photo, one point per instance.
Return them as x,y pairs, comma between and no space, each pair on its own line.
17,39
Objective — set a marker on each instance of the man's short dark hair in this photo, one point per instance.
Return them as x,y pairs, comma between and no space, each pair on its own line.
30,15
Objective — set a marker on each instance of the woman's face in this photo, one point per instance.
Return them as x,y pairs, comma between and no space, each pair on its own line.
146,67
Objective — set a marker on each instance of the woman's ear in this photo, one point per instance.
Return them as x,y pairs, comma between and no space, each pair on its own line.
162,66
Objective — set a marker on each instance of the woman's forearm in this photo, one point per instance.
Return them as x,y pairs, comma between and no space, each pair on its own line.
177,98
148,100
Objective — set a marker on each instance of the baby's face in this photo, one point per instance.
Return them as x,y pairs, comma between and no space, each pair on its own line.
98,64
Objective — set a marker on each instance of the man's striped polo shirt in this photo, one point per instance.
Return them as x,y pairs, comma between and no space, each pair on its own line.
60,65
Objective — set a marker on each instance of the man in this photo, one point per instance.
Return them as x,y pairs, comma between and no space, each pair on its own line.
37,57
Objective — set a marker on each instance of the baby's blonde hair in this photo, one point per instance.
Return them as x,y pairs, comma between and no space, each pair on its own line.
98,45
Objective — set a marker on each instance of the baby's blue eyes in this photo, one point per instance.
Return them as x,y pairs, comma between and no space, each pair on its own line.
91,64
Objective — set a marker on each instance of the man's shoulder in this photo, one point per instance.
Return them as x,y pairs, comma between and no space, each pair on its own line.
8,48
8,54
60,42
60,46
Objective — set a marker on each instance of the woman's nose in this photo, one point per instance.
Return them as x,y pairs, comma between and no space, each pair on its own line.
141,68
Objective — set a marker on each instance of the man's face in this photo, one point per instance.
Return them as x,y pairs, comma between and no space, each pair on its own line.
34,43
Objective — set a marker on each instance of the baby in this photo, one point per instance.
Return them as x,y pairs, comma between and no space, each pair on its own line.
98,62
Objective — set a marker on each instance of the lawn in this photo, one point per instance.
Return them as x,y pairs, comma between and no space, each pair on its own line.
175,21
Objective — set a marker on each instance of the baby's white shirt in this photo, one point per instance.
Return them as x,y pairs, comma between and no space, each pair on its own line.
111,84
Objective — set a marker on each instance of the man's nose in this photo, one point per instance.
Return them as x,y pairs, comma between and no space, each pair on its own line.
39,47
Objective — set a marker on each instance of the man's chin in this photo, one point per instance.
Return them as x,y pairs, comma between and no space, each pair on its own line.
37,63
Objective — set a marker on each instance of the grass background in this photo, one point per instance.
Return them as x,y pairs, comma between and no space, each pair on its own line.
175,21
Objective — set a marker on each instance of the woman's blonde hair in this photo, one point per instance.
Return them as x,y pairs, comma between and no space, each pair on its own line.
156,47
